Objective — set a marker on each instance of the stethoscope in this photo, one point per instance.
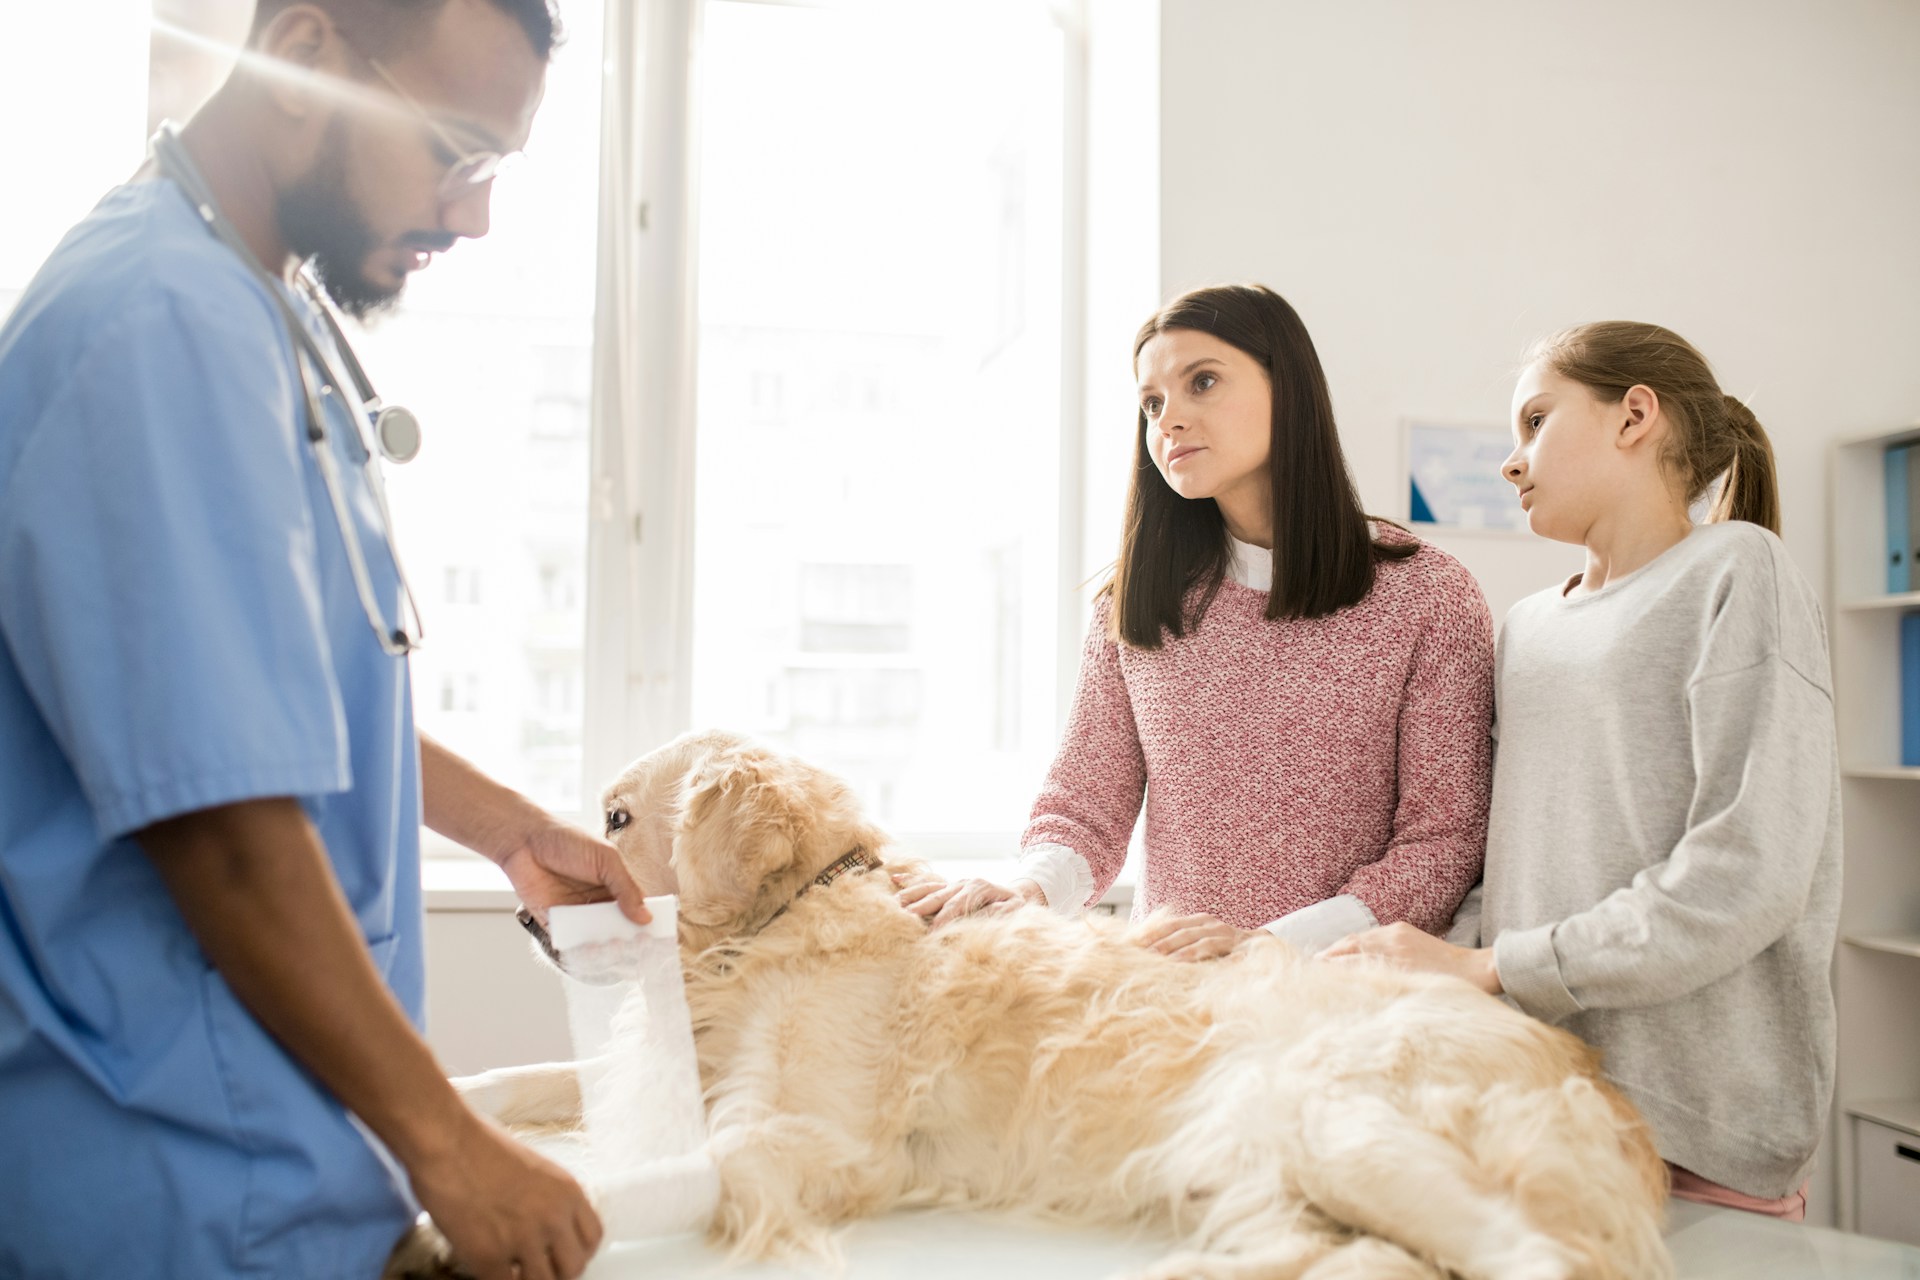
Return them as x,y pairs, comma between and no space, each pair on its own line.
396,432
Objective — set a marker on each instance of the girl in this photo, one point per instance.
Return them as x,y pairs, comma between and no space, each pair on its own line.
1303,697
1663,859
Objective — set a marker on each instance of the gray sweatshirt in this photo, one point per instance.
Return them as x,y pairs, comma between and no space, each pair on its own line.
1663,851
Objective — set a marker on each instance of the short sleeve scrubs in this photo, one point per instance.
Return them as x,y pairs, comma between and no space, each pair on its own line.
179,629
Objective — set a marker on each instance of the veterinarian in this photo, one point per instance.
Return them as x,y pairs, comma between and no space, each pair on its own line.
1663,861
211,786
1301,695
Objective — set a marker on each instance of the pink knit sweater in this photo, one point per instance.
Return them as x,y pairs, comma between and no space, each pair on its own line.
1287,762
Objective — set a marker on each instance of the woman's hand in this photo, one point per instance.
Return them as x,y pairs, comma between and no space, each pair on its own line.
942,902
1197,937
1405,947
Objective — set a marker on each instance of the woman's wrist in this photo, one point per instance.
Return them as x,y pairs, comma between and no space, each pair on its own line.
1029,891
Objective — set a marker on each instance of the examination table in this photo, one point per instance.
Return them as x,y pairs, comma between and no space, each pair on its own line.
1707,1243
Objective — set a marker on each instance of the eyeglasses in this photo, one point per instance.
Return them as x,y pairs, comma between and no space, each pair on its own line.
469,168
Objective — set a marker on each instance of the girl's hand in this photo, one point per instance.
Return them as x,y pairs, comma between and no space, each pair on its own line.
1197,937
1406,947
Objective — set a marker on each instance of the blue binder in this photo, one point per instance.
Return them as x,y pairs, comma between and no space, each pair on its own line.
1910,689
1899,528
1913,525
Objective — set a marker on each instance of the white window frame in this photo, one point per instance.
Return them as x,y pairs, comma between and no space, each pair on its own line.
638,687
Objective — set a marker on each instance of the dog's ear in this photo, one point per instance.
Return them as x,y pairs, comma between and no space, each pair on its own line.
743,813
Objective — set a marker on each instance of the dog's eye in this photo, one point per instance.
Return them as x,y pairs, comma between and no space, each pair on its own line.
617,820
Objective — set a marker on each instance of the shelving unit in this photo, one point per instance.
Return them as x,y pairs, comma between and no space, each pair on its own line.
1910,773
1877,969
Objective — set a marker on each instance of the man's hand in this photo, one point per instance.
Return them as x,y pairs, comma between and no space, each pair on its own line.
1195,937
254,884
509,1213
1406,947
941,902
549,862
557,864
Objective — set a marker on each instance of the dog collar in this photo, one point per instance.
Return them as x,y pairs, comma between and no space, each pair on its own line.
857,859
854,860
846,864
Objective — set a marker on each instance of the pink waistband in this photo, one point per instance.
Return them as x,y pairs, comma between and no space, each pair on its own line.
1691,1186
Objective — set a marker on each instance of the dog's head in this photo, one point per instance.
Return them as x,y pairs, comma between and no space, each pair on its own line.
737,829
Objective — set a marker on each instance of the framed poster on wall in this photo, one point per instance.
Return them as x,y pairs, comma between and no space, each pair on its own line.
1454,480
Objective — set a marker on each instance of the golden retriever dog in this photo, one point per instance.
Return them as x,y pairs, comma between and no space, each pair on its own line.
1279,1117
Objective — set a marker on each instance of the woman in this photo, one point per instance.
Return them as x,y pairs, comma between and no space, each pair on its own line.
1302,696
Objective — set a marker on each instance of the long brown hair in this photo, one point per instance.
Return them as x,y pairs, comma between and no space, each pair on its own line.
1712,434
1323,553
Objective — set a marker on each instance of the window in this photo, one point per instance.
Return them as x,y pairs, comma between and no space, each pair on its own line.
879,418
493,349
73,85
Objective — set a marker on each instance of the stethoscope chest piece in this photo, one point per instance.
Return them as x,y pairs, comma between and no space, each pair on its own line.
397,432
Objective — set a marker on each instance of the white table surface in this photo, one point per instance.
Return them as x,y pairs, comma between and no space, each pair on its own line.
1708,1244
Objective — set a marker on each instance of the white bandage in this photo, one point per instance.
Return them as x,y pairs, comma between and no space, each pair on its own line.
649,1171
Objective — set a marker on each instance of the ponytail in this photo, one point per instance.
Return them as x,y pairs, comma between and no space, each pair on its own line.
1749,491
1712,435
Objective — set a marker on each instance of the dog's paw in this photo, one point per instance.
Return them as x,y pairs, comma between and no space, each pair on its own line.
422,1254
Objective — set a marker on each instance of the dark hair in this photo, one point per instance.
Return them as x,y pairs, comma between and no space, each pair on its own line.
1323,553
382,23
1712,434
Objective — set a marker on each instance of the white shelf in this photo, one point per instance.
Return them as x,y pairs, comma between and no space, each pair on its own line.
1879,1033
1882,439
1895,1113
1910,600
1902,944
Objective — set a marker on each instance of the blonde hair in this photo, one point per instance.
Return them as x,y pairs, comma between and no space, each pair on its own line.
1712,435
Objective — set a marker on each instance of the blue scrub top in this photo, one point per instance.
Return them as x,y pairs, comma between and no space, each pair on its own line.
179,629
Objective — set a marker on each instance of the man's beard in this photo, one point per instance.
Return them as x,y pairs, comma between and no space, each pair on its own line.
320,222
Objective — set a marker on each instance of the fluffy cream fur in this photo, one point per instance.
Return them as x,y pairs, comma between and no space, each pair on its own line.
1280,1117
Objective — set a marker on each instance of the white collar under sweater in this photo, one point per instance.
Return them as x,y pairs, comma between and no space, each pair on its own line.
1252,566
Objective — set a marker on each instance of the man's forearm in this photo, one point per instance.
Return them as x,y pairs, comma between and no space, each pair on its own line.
255,887
465,805
549,862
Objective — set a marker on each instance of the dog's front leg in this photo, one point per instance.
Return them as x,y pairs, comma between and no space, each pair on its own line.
544,1093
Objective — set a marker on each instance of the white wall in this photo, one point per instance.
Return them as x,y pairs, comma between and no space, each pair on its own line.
490,1001
1434,185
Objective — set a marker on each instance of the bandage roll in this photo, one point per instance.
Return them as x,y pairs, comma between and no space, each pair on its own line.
646,1129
